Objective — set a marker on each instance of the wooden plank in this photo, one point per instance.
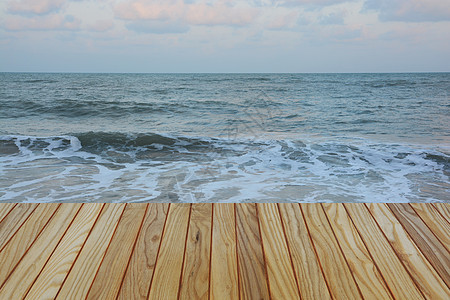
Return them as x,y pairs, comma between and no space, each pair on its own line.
52,276
415,263
49,252
19,244
444,209
397,279
140,270
25,273
251,265
312,284
224,276
330,255
280,271
435,221
369,279
81,275
14,220
195,278
171,253
5,208
109,277
425,240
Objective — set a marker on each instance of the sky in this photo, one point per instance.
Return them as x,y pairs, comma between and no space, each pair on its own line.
152,36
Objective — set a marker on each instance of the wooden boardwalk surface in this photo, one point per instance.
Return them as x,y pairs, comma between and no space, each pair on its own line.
224,251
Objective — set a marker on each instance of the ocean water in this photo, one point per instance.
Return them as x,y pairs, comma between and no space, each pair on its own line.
225,137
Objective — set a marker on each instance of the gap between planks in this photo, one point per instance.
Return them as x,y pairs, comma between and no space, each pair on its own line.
258,244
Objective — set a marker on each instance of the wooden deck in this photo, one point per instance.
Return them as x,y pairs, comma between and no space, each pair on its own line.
224,251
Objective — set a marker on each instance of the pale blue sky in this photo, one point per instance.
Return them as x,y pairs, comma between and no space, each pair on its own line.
225,36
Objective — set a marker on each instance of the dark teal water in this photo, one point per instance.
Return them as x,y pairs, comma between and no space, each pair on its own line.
225,137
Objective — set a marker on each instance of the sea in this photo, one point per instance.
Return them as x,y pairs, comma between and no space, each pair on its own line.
224,137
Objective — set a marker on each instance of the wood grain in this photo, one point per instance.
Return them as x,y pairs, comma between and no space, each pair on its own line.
444,210
369,279
435,221
224,251
5,208
171,254
82,273
52,276
109,276
251,265
392,270
25,273
418,267
12,222
424,238
330,255
312,284
195,278
140,270
283,284
224,276
19,244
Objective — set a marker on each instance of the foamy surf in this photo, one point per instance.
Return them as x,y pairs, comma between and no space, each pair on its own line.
117,167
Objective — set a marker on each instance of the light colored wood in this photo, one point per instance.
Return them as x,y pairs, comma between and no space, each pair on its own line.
444,209
81,275
312,284
283,284
330,255
418,267
366,274
424,238
52,276
392,270
25,273
435,221
19,244
14,220
171,254
195,278
5,208
251,265
140,270
254,251
224,276
109,276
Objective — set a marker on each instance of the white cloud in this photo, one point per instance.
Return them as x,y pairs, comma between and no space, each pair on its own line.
179,14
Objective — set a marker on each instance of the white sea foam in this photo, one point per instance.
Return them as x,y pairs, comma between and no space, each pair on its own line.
183,169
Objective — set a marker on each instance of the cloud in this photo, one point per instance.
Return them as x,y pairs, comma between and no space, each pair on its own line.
149,10
310,3
157,26
220,14
336,18
39,23
39,7
285,21
410,10
178,14
101,25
